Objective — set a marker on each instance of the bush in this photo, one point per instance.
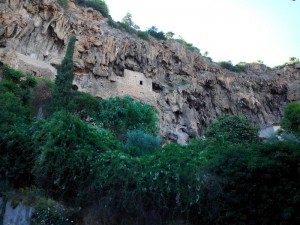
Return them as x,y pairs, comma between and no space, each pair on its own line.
12,74
122,114
159,35
166,184
99,5
291,118
63,3
50,212
256,185
19,84
12,112
189,46
143,34
83,105
65,151
232,129
16,159
140,143
238,68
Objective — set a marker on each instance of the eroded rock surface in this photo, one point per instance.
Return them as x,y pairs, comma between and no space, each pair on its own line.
188,90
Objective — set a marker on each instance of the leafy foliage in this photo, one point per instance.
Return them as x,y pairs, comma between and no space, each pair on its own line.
159,35
65,149
188,45
63,82
127,20
99,5
140,143
12,111
63,3
84,105
15,146
256,185
16,156
291,119
167,182
292,61
238,68
232,129
122,114
143,34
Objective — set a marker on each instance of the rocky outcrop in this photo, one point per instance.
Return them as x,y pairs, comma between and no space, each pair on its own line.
15,215
188,89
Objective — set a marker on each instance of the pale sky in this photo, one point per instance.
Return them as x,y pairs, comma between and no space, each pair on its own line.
236,30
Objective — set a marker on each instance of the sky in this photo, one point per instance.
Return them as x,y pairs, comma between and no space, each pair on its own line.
236,30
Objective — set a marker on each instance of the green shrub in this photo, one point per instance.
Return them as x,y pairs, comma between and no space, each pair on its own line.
65,151
122,114
238,68
83,105
63,3
290,137
143,34
167,182
256,185
189,46
159,35
232,129
50,212
99,5
12,74
12,112
17,83
140,143
291,118
16,159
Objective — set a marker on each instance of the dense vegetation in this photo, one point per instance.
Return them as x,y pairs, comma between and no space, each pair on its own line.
99,5
103,160
238,68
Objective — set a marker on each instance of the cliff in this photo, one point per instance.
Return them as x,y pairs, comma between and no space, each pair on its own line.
189,90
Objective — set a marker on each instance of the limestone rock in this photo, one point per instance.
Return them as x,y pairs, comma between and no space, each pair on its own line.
188,90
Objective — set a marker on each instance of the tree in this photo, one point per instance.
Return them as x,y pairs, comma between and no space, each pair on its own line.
65,148
169,35
291,119
232,129
64,78
122,114
293,59
153,31
99,5
140,143
127,19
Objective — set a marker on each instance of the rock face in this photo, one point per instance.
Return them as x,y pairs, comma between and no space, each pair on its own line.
19,215
188,90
